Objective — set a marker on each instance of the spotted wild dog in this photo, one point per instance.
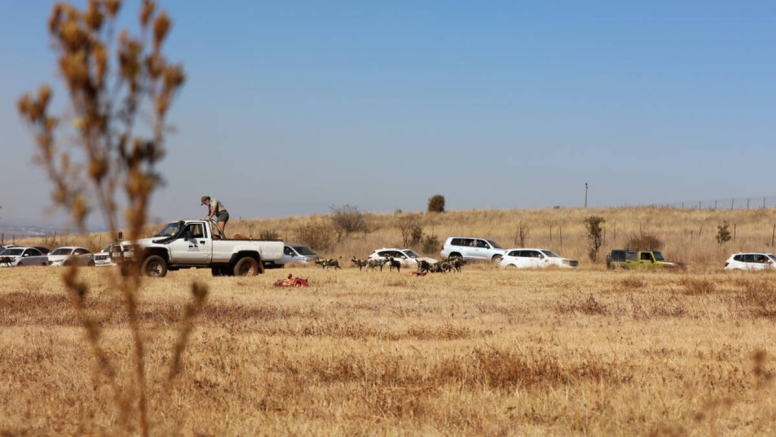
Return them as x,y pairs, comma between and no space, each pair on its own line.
394,263
372,264
361,263
424,266
326,263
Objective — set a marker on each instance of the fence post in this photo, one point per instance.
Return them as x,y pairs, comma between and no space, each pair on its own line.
550,233
735,225
747,203
763,202
560,233
773,234
715,204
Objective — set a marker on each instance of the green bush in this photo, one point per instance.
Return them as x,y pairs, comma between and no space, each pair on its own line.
436,203
430,244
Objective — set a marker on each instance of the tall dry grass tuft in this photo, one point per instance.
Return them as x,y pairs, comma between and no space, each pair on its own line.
111,81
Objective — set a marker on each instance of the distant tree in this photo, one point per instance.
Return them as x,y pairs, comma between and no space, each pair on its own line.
347,219
521,233
436,203
723,233
316,234
595,232
411,228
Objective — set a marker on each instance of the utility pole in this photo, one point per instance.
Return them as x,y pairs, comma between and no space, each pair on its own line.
585,195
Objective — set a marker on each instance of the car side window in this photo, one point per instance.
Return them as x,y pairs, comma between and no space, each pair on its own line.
482,244
739,258
646,256
456,242
748,258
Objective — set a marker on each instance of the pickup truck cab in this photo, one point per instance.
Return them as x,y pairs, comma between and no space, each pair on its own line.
191,244
637,259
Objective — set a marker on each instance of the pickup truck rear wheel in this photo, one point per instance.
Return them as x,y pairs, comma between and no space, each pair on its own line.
246,267
154,266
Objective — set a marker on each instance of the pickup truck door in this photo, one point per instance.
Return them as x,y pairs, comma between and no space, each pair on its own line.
193,247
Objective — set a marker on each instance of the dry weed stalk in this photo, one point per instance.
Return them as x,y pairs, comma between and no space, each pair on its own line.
109,154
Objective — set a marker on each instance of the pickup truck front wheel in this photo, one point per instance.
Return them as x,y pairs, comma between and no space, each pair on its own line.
246,267
154,266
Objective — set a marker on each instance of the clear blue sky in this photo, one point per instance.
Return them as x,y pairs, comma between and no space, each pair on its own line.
291,107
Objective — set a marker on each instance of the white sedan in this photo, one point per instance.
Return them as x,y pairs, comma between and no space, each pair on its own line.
22,256
65,256
407,257
535,258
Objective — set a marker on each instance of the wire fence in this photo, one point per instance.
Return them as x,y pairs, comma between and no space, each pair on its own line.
731,203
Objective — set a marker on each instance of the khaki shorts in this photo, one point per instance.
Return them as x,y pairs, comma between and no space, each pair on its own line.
222,216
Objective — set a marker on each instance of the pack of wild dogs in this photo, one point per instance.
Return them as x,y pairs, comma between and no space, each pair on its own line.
423,266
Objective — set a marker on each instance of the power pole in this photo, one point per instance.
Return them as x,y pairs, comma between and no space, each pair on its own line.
585,195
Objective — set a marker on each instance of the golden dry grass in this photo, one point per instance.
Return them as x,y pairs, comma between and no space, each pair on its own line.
482,352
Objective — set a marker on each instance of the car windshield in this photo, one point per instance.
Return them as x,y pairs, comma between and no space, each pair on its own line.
550,253
168,231
494,244
303,250
659,256
411,253
107,248
11,252
62,251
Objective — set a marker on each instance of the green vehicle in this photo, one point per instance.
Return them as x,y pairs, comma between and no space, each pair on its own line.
638,259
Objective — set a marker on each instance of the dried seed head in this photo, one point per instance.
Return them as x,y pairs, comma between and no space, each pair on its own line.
162,26
146,12
72,34
23,104
93,15
44,94
100,63
113,7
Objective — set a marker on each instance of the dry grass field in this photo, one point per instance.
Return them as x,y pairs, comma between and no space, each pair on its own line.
481,352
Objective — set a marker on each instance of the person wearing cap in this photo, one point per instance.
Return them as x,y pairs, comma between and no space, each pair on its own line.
216,208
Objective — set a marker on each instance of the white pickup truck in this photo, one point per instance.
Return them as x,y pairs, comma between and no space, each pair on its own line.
190,244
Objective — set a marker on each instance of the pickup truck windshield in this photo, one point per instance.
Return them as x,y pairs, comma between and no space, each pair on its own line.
659,256
169,230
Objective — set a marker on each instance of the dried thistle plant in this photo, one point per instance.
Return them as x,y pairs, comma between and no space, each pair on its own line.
100,157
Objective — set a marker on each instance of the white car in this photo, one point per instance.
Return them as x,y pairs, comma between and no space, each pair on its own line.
102,259
535,258
751,261
68,255
471,249
407,257
22,256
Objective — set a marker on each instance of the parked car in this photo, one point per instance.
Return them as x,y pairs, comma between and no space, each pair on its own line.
102,258
22,256
293,253
69,255
638,259
471,249
535,258
751,261
43,249
407,257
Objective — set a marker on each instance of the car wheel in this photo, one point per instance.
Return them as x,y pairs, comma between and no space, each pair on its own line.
154,266
246,267
511,267
496,259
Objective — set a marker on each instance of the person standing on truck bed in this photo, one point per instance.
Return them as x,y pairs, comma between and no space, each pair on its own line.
216,208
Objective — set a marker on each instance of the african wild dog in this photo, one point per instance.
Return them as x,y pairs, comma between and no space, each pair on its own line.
374,263
424,266
360,262
456,263
326,263
394,263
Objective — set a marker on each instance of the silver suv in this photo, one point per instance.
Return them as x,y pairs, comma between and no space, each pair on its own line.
471,249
